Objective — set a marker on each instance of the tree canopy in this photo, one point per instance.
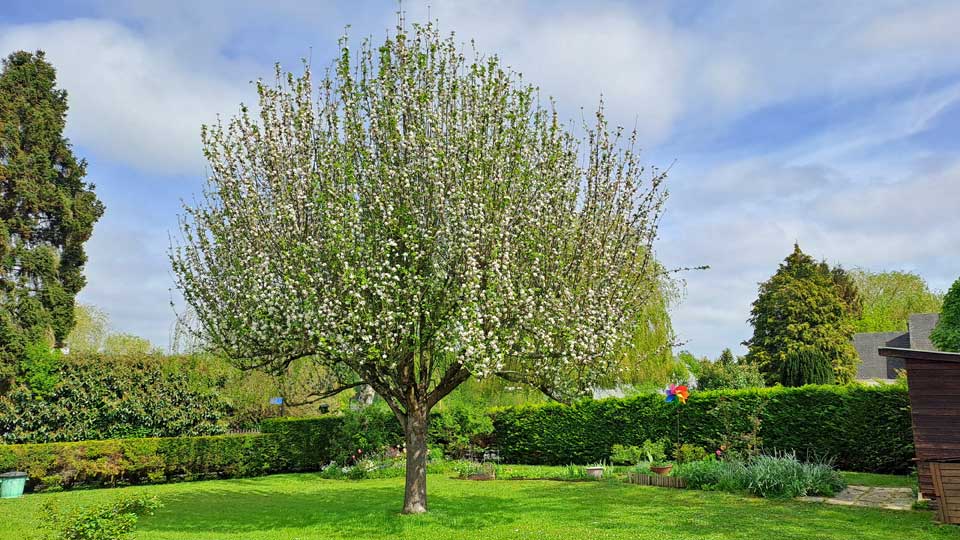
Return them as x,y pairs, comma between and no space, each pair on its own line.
806,304
47,210
419,217
946,335
890,297
728,372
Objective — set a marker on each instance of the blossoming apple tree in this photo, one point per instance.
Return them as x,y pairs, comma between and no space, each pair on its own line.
415,218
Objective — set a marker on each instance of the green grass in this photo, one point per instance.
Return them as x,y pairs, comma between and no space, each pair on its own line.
302,507
879,480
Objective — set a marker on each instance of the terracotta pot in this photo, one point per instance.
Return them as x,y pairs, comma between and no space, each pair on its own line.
662,471
595,472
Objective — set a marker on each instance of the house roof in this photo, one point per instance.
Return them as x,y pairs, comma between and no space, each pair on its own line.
873,365
921,325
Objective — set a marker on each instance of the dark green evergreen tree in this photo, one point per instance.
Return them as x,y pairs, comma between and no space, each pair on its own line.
806,366
946,335
806,304
47,211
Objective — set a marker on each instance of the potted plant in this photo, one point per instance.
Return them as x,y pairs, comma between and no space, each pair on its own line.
656,453
661,467
595,470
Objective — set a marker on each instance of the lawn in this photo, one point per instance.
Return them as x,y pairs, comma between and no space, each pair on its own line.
302,507
879,480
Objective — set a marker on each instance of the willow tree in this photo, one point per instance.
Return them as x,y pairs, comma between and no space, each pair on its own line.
415,218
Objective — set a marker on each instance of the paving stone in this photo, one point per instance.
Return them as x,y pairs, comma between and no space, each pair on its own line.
888,498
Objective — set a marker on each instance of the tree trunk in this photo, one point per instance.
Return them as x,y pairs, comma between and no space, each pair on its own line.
415,434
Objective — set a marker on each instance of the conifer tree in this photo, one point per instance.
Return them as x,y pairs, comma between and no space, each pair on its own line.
47,210
946,335
806,366
806,304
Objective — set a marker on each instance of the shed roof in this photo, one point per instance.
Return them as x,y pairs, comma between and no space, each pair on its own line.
917,354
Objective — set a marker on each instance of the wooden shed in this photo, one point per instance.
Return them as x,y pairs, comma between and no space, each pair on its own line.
934,381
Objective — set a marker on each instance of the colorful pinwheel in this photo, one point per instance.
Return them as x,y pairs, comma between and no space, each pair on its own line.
677,393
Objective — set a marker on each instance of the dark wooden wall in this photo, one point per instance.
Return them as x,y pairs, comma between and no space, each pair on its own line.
935,411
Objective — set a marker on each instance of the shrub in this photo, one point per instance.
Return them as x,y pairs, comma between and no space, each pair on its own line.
93,398
728,373
806,366
655,452
337,438
309,443
946,335
40,368
861,428
626,455
460,429
532,472
687,453
731,476
113,521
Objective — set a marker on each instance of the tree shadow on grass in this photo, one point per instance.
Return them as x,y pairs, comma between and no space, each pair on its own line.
651,512
349,510
313,508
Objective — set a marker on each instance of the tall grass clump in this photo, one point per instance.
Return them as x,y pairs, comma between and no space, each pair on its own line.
774,476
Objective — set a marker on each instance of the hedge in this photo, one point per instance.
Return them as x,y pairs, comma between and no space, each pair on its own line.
860,428
306,443
118,397
285,445
53,466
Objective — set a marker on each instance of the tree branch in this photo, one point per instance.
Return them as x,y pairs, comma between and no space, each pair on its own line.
452,378
315,397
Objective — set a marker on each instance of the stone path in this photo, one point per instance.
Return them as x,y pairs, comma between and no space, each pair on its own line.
876,497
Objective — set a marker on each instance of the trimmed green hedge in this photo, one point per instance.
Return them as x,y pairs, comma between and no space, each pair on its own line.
285,445
306,443
861,428
115,462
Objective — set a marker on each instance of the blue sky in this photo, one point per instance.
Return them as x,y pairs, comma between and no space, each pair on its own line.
833,124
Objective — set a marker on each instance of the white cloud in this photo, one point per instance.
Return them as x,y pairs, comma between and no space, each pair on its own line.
577,54
917,26
742,226
140,89
131,101
129,277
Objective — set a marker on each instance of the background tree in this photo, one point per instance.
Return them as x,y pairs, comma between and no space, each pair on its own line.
648,357
728,372
47,211
806,304
90,330
422,218
127,344
890,297
946,335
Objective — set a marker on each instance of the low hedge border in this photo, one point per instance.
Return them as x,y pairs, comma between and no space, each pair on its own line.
118,462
